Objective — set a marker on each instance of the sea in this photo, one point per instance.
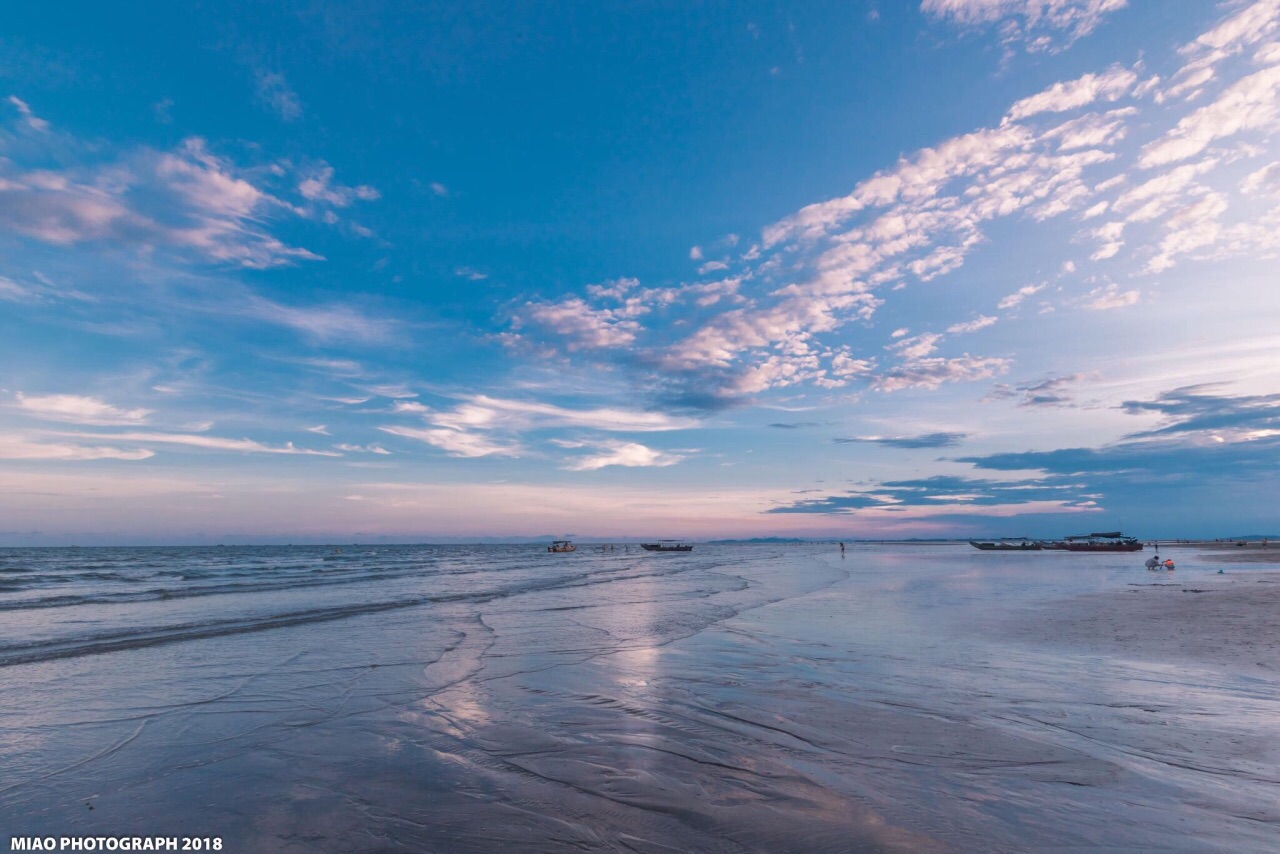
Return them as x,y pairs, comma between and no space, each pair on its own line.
740,697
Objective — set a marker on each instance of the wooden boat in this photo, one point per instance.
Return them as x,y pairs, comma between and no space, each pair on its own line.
562,546
667,546
1109,541
1007,544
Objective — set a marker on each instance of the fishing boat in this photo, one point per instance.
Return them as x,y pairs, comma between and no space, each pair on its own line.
1008,544
667,546
562,546
1108,541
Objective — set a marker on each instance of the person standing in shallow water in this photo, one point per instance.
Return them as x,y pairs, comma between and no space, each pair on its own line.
842,550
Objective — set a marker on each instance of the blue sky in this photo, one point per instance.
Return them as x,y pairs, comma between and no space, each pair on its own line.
443,271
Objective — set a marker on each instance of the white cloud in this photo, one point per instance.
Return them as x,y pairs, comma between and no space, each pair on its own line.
1040,25
1251,103
318,186
1264,180
1109,297
1092,130
1165,192
489,412
980,322
630,454
1019,295
458,443
916,347
1110,85
78,409
1108,235
1255,22
188,200
1196,226
580,326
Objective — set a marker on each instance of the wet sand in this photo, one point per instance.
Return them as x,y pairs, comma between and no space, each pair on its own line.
736,699
1269,555
1230,621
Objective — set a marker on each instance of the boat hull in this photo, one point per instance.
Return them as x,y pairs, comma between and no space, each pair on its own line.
1006,547
659,547
1101,547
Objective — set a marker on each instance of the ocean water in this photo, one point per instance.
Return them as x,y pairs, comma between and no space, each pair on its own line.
736,698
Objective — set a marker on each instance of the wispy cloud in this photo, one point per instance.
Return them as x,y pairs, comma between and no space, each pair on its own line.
1053,391
458,443
924,440
29,118
77,409
20,448
579,326
363,449
979,322
205,442
947,494
1110,85
190,202
1203,409
1015,298
275,93
318,186
484,425
489,412
1047,26
333,322
1109,297
1252,103
195,204
931,373
630,454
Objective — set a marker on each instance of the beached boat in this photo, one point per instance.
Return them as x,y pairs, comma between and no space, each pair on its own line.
1110,541
667,546
562,546
1008,544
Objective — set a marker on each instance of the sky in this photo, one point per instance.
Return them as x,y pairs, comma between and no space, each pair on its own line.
312,272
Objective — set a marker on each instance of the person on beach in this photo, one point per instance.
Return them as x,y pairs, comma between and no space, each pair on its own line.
842,550
1153,562
1168,564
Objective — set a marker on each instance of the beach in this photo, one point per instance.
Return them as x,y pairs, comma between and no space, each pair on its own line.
736,698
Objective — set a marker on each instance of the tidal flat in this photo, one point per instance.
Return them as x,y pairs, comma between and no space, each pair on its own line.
736,698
